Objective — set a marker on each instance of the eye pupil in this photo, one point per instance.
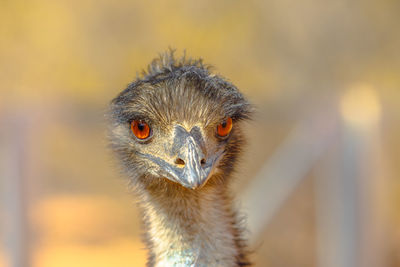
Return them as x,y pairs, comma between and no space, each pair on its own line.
223,124
141,126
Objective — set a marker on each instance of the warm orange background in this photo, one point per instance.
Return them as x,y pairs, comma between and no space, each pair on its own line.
61,62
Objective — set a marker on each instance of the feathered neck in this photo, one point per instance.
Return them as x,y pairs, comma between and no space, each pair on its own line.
191,227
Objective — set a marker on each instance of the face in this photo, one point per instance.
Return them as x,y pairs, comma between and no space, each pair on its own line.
177,130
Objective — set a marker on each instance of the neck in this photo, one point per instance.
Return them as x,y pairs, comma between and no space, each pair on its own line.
191,227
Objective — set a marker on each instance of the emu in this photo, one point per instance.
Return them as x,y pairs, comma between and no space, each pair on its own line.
177,132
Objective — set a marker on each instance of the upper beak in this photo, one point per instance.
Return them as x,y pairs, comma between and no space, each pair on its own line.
189,164
193,169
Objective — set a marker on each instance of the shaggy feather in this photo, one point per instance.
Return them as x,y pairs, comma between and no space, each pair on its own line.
184,227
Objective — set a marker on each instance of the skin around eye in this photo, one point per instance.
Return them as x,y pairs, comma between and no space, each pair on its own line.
224,128
140,129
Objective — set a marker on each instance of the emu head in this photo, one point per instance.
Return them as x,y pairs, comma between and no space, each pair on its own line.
178,124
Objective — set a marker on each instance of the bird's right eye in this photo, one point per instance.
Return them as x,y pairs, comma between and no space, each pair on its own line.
140,129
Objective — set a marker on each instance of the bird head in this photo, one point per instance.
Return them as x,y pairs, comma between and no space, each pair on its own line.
178,123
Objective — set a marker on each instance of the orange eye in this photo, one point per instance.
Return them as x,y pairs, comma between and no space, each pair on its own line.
224,128
140,129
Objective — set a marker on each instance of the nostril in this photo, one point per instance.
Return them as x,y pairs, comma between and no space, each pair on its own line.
180,162
203,162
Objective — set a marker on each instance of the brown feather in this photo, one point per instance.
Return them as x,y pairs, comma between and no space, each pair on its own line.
184,227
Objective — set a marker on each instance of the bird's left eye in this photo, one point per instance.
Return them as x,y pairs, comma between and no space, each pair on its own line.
224,128
140,129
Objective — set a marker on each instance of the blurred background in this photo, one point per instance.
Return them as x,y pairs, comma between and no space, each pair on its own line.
319,181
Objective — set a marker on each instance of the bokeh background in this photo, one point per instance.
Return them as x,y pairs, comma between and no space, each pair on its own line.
319,181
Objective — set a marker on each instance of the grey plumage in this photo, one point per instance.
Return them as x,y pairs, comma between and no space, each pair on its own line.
188,222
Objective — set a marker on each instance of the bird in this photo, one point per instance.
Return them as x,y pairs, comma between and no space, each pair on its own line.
177,131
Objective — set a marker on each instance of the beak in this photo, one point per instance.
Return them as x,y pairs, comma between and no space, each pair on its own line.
188,164
193,170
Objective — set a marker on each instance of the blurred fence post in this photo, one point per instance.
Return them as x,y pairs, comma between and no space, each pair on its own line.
14,135
336,205
344,194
